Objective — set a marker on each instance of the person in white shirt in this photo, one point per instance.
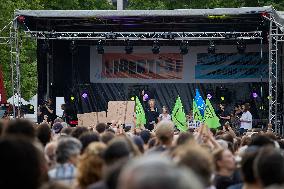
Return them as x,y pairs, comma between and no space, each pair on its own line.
246,119
165,115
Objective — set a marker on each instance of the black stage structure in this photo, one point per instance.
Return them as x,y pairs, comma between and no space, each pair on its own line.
67,39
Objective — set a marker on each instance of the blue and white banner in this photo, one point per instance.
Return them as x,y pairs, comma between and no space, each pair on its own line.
231,66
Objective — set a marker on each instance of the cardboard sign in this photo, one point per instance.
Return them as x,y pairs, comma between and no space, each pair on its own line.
121,111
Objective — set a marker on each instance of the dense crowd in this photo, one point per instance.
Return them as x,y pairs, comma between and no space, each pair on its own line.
112,156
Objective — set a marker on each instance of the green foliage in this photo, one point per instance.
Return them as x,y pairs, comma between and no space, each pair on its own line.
28,49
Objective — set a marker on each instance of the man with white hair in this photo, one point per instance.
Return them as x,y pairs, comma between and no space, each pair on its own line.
67,153
156,172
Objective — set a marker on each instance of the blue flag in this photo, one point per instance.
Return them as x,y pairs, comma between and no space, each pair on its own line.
199,102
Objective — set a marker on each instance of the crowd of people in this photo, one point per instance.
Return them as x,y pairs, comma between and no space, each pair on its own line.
114,156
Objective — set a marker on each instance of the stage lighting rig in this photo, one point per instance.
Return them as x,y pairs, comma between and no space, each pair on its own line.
111,35
211,48
128,47
241,46
168,35
156,47
183,47
100,47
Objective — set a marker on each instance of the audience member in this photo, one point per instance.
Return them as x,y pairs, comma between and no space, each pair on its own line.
67,153
90,167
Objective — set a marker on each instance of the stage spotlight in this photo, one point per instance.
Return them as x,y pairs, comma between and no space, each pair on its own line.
156,47
254,95
183,47
211,48
128,47
85,95
222,98
72,98
100,47
241,46
209,96
132,98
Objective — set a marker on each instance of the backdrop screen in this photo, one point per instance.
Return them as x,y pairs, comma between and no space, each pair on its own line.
142,65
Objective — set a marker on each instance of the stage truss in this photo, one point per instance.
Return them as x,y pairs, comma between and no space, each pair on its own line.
276,36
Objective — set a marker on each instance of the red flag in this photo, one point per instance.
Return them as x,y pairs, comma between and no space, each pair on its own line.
3,98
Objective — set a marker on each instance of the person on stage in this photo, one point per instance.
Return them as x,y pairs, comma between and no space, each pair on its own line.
151,115
46,111
165,114
246,119
223,114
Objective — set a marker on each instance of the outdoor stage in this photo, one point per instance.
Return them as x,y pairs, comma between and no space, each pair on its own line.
92,57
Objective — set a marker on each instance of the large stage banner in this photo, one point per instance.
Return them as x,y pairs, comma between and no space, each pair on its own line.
231,66
142,65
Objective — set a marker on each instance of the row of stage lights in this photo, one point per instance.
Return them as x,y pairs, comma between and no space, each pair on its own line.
241,47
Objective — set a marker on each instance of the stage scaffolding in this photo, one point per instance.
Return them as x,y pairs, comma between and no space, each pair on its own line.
276,38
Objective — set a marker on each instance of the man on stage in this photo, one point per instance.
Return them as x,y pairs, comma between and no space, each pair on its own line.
246,119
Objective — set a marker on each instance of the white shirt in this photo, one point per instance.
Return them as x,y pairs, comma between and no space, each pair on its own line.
165,117
246,116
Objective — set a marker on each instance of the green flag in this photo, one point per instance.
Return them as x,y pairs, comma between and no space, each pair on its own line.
178,116
196,112
210,118
140,114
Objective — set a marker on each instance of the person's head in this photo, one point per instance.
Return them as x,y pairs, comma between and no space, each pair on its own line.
78,131
247,165
49,101
156,172
66,131
165,110
261,140
57,127
152,103
145,135
90,167
228,137
21,127
49,152
224,161
117,149
101,127
246,140
58,120
87,138
107,136
165,132
184,138
139,143
68,150
199,160
22,164
269,166
63,106
246,107
43,133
